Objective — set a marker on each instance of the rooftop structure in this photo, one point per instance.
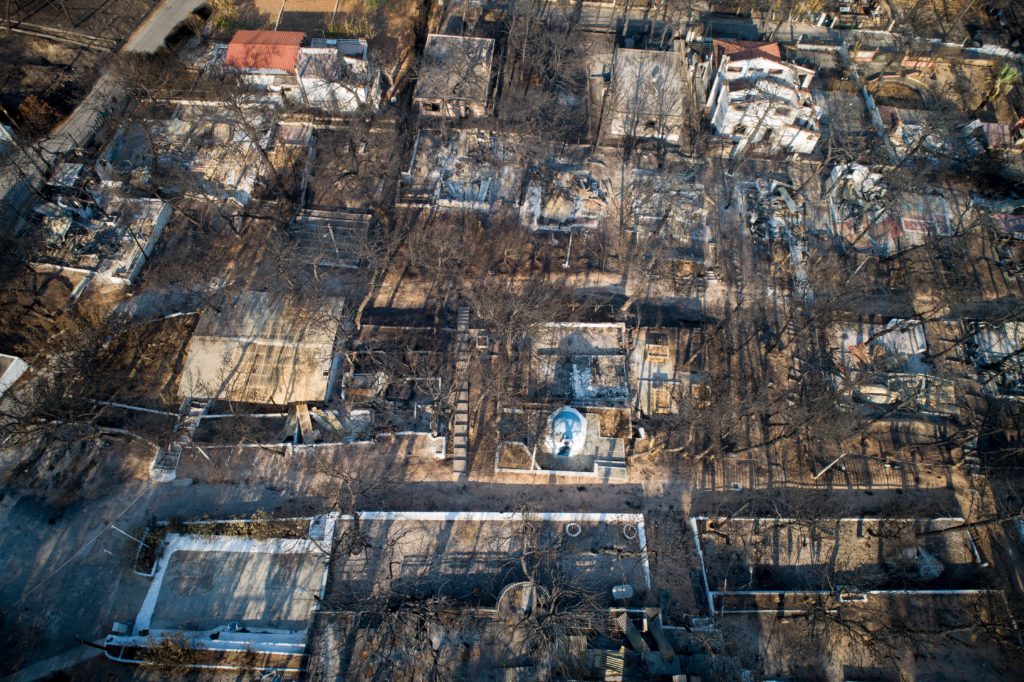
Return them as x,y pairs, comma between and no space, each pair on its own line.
566,433
756,97
264,349
330,238
455,76
265,51
644,97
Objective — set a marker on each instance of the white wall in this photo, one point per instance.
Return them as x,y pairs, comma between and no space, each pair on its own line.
14,370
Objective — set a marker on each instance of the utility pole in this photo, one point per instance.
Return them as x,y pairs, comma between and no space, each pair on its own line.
830,465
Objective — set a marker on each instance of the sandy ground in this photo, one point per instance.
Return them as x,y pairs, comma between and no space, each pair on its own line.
944,643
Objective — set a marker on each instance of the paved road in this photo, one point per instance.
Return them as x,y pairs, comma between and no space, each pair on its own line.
152,32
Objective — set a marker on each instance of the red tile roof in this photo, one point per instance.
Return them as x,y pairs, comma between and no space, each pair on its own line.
747,49
274,50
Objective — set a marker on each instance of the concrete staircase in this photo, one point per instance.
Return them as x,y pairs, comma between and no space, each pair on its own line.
613,469
460,418
165,464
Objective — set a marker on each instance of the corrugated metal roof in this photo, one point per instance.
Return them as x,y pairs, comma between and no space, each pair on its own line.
265,50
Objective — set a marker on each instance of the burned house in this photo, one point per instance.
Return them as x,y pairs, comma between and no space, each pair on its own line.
97,226
398,380
454,79
582,364
666,366
997,350
205,156
758,98
334,75
886,366
867,217
486,570
750,563
563,198
673,205
11,369
258,596
462,169
912,130
575,417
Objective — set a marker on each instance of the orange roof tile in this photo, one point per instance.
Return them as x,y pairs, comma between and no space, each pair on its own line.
273,50
747,49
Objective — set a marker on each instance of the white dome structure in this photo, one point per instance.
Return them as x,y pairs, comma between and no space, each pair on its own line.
566,432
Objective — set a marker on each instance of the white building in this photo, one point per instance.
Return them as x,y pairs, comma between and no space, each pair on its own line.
758,98
334,75
6,139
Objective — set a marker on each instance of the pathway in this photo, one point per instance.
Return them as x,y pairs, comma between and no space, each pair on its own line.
460,428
